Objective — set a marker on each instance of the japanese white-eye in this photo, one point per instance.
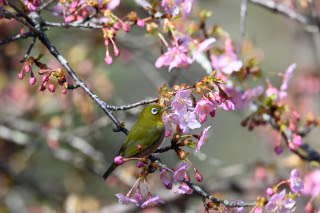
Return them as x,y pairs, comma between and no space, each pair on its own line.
148,132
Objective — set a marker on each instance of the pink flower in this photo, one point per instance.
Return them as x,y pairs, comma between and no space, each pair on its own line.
138,194
203,108
279,95
32,4
184,189
174,58
312,183
140,23
296,183
180,173
113,4
226,63
186,120
126,200
228,105
258,210
171,6
187,8
203,139
249,96
297,140
204,46
4,2
167,124
280,203
152,202
287,77
165,178
70,18
235,209
182,100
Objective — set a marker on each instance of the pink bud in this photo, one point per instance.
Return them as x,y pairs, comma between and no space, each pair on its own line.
116,50
138,194
70,19
199,176
139,147
106,42
139,164
278,149
118,160
51,87
126,27
42,88
21,75
108,59
36,3
27,67
117,25
32,80
269,191
46,77
140,23
43,71
64,90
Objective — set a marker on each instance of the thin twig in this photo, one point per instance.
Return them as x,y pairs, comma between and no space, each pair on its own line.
243,14
79,24
130,106
284,10
204,194
45,5
29,50
17,37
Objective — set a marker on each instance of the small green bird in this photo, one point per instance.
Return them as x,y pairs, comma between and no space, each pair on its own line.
148,132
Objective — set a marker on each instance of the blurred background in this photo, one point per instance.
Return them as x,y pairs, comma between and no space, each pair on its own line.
53,145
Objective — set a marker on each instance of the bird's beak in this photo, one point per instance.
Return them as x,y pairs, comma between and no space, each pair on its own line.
165,108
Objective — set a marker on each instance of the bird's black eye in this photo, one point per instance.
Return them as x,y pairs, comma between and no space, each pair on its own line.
154,111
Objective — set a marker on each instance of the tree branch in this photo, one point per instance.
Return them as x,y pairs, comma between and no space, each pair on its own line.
284,10
17,37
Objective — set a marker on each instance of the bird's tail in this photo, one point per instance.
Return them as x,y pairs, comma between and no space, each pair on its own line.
109,171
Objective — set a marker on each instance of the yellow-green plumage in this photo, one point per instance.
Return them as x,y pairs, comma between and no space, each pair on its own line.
147,132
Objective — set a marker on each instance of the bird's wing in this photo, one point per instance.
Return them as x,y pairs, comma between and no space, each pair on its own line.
144,135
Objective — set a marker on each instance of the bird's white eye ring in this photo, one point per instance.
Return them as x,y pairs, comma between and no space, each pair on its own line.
154,111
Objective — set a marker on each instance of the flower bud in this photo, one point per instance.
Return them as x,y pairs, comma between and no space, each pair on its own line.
32,80
245,122
27,67
46,77
138,194
199,176
278,149
126,27
139,164
64,90
140,23
269,191
42,88
51,87
176,137
117,25
182,154
21,75
118,160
